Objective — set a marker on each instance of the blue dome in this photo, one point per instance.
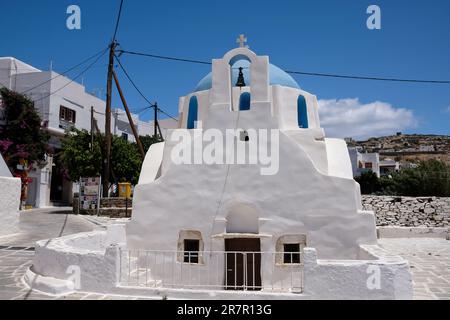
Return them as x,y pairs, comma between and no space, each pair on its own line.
276,76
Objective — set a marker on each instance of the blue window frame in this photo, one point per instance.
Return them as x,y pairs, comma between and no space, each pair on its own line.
302,112
244,101
192,113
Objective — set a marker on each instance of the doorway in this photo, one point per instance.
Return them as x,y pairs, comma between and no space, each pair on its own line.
243,264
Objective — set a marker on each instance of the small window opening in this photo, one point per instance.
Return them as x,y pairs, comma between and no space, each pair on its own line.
291,253
191,250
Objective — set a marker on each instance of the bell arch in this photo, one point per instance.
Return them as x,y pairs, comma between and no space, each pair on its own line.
259,74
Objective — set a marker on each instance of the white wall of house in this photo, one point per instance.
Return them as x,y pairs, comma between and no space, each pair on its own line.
363,162
60,91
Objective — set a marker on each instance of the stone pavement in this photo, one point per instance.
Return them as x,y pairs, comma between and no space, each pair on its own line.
430,265
14,261
48,223
16,251
429,258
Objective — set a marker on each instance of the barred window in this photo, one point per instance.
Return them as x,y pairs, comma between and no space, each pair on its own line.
191,250
291,253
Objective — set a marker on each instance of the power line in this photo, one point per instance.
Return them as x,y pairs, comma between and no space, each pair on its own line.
163,112
67,71
71,81
164,57
132,82
152,104
315,74
366,78
118,21
139,111
28,69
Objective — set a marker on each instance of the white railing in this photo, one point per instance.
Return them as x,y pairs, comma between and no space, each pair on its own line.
213,270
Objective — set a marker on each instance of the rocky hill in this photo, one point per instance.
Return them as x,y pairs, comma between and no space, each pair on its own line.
407,147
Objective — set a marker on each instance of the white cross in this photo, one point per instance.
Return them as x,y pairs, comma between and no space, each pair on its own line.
242,40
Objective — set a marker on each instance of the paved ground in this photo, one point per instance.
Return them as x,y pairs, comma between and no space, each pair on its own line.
16,251
429,258
45,224
430,265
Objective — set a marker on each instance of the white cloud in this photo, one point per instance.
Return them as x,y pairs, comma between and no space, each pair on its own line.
447,109
350,118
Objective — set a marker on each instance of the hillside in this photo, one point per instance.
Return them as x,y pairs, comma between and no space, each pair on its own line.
407,147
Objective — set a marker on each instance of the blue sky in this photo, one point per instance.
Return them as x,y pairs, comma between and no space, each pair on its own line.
314,36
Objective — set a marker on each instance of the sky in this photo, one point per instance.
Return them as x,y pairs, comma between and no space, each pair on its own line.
313,36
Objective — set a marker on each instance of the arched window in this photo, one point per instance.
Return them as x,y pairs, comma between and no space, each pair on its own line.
302,112
192,113
244,101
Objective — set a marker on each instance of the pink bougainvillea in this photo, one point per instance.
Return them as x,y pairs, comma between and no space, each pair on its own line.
4,145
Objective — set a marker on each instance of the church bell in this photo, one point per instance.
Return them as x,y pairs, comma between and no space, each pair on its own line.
240,81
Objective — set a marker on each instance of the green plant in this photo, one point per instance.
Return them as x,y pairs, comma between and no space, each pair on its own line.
23,142
82,155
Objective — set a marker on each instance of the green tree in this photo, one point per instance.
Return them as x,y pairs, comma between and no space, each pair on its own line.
83,157
368,182
147,141
80,156
125,160
23,143
430,178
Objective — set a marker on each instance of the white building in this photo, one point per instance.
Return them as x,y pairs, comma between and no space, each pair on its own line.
205,229
61,104
388,166
364,162
311,201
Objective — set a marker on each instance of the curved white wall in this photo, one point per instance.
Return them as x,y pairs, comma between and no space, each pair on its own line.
9,205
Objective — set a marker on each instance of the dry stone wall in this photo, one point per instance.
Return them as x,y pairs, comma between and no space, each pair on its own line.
409,211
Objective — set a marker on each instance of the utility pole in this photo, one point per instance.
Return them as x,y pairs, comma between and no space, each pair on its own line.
107,163
92,128
130,119
155,124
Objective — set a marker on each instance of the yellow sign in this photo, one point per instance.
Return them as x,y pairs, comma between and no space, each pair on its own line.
125,190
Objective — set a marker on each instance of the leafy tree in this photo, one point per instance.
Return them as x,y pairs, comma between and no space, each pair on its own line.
147,141
126,161
430,178
369,182
23,143
80,156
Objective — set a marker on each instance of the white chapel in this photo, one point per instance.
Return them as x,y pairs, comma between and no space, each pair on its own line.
312,201
289,228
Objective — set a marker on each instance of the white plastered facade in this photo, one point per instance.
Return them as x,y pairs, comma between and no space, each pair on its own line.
313,193
312,199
